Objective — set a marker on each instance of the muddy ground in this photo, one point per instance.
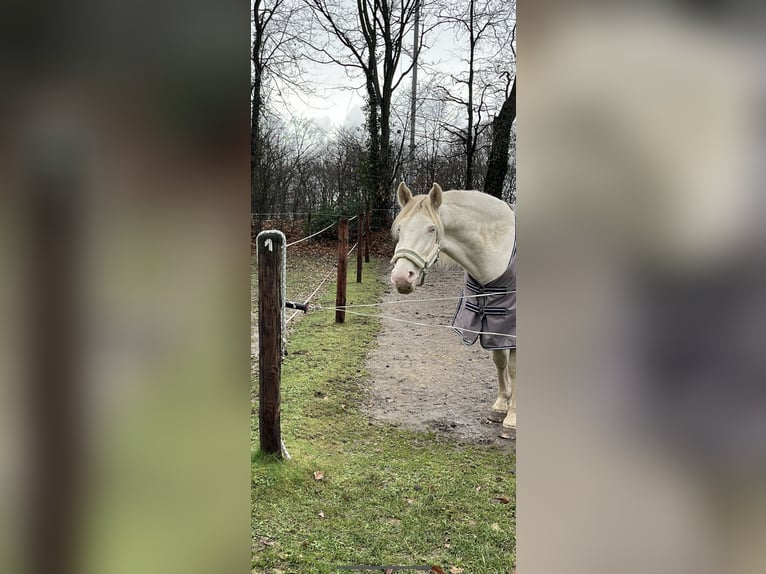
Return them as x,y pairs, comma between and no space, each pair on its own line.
424,377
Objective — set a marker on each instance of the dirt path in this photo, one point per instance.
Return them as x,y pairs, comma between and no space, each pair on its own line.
425,377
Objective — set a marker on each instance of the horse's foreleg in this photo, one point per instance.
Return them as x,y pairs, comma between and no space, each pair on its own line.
510,419
504,388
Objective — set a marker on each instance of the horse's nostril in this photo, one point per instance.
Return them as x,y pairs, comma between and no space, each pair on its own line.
410,275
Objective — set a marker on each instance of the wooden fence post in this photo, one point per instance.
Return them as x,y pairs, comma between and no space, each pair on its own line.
271,264
359,242
308,229
55,355
367,238
340,296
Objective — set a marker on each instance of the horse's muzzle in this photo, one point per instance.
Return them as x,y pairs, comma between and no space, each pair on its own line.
404,279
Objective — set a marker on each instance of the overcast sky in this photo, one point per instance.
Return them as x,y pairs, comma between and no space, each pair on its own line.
337,104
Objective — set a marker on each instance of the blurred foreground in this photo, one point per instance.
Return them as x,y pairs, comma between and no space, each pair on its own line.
124,302
642,394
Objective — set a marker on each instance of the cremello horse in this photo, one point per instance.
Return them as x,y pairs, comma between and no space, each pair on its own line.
474,229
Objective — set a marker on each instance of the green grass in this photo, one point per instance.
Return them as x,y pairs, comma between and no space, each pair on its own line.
388,495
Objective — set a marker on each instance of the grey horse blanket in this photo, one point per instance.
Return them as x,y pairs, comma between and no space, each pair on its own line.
490,316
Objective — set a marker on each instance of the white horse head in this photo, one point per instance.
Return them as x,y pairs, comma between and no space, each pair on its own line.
419,232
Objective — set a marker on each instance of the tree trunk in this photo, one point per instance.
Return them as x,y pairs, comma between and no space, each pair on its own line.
497,165
374,156
383,199
469,143
257,205
256,197
256,150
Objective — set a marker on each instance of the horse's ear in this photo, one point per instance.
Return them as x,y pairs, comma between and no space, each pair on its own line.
435,195
403,194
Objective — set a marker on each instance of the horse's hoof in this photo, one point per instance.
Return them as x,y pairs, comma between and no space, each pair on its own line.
497,416
507,433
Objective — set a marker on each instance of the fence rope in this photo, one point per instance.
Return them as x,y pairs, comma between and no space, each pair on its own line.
326,277
273,215
381,303
312,235
266,216
318,232
347,308
291,317
389,317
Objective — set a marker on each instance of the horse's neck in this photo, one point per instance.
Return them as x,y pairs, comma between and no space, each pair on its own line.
478,234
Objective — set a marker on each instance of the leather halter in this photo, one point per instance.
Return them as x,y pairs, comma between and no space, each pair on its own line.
423,263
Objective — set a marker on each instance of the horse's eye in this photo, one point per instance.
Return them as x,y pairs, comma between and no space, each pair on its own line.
431,229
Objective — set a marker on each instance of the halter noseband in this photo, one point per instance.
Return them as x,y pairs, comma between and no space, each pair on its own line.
422,263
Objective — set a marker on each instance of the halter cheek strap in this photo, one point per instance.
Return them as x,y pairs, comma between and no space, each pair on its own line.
422,263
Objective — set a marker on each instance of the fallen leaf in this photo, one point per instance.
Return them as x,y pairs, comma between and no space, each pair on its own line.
501,499
410,501
321,514
318,475
478,488
436,570
495,527
456,570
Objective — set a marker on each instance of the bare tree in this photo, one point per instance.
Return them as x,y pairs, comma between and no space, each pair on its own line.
274,55
371,35
439,156
484,27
